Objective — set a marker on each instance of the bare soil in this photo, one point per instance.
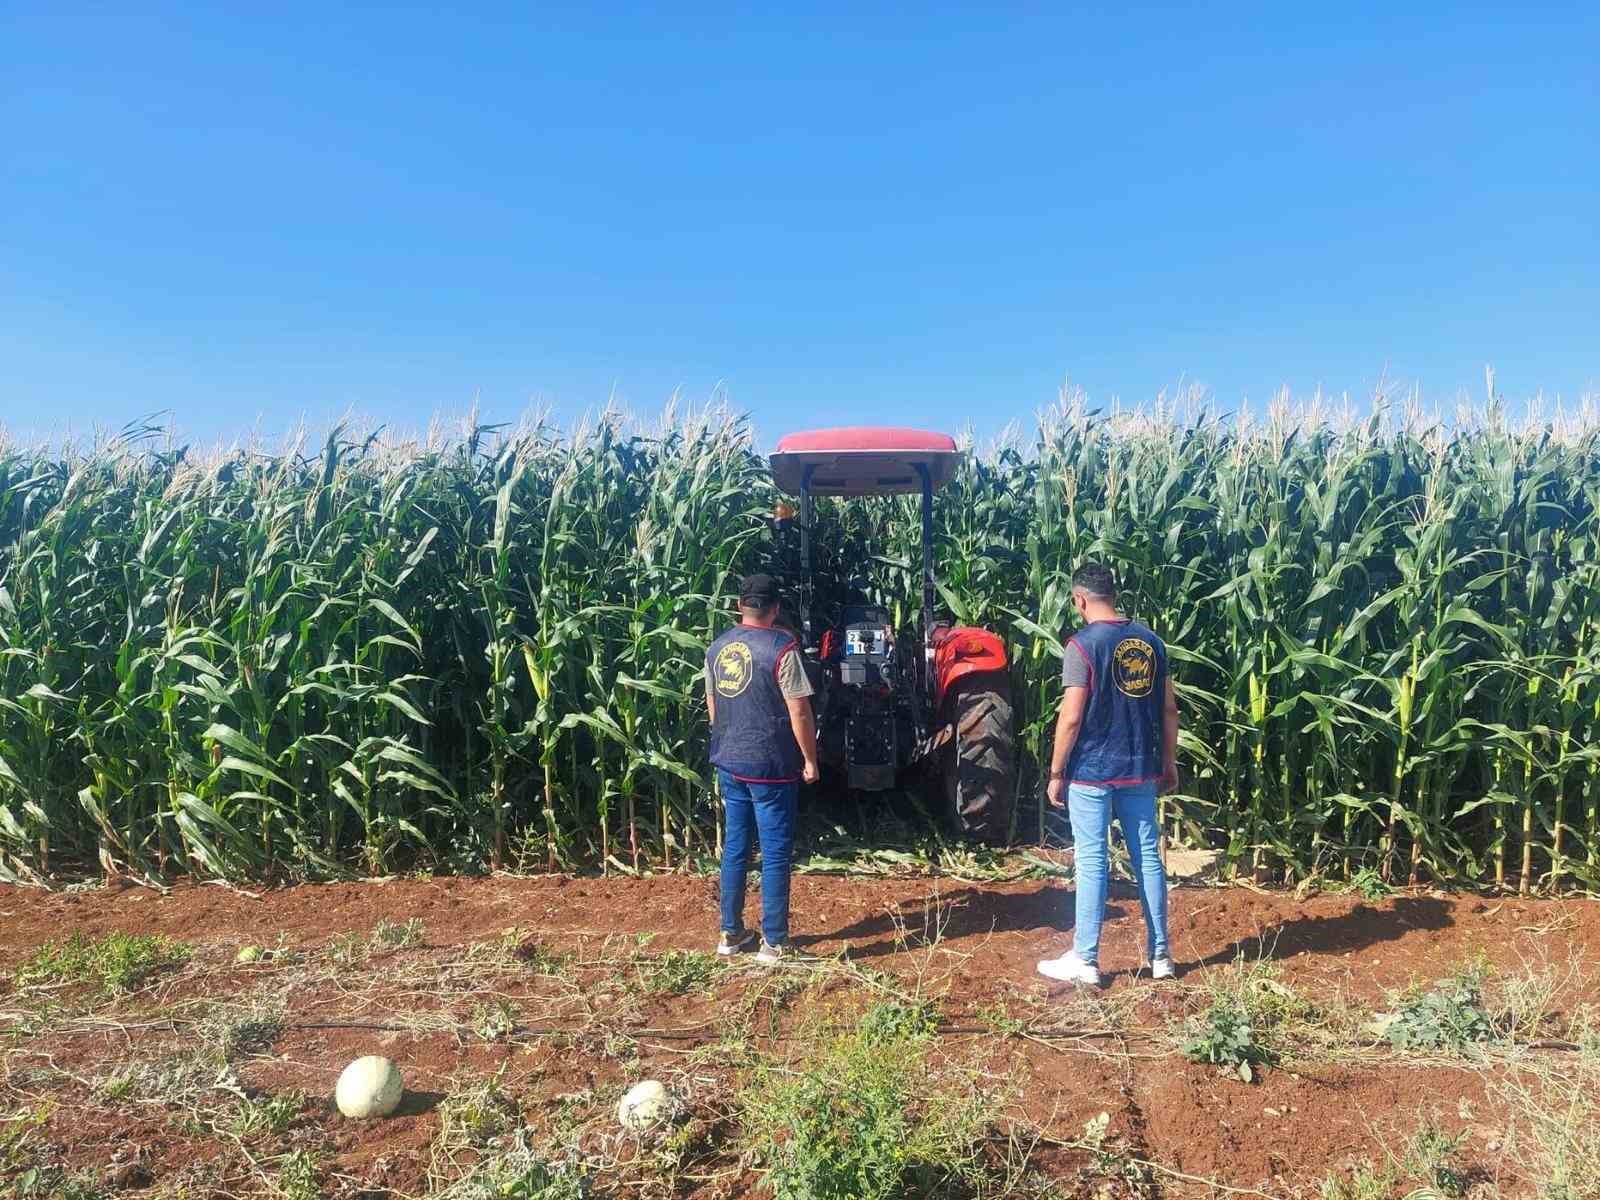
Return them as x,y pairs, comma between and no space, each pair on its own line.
570,961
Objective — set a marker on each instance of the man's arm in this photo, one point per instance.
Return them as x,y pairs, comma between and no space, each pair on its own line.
805,733
1169,739
1069,720
711,699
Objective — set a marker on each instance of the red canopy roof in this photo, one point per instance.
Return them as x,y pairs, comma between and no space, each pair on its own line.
858,438
862,461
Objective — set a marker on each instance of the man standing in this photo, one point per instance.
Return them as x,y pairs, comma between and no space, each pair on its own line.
1116,740
763,743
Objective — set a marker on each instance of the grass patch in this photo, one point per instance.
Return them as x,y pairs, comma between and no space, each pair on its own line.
1553,1137
475,1116
1363,1182
677,972
1112,1161
297,1177
118,962
515,949
518,1172
273,1114
868,1118
1434,1157
396,935
494,1020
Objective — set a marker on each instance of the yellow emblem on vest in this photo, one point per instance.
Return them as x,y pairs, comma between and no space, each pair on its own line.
733,669
1133,667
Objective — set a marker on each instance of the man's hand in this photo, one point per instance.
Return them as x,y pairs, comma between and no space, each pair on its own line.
1169,779
1057,792
810,773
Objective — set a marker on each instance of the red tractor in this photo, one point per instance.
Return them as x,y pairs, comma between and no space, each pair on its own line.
883,706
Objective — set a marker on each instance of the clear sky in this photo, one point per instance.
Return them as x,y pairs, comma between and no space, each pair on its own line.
246,214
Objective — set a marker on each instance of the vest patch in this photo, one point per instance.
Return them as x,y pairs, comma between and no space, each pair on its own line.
733,670
1133,667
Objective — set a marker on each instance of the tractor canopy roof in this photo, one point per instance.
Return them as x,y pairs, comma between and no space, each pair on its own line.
862,461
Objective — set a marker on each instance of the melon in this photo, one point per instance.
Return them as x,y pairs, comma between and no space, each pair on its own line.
369,1087
644,1105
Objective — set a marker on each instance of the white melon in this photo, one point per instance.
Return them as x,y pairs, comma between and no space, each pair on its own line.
644,1105
369,1087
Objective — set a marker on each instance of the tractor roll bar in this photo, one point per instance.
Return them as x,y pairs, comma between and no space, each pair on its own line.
927,578
805,556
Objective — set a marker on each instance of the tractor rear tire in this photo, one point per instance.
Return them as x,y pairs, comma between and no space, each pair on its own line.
978,763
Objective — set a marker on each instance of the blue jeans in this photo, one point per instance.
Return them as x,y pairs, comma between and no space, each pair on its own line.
766,810
1092,806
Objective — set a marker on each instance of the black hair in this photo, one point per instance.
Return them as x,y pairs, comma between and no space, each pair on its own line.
1096,579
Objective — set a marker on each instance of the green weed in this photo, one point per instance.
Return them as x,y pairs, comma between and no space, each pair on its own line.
271,1115
997,1017
118,962
297,1177
1364,1182
1369,884
476,1115
518,1172
16,1131
1225,1037
677,972
865,1120
894,1021
396,935
1252,1020
347,948
1449,1017
1113,1161
1434,1157
494,1020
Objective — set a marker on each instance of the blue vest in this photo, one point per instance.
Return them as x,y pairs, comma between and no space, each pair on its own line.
1119,741
751,738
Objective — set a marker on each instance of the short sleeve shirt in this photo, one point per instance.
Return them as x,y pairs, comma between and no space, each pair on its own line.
1074,671
792,679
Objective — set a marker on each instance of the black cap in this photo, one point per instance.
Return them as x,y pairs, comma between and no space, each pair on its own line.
758,591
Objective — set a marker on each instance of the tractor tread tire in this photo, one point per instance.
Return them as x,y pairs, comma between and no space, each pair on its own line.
979,762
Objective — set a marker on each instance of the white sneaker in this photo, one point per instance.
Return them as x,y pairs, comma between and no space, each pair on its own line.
1069,968
735,943
772,955
1161,968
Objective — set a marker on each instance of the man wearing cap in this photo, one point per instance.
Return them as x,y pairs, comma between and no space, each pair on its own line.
763,743
1116,745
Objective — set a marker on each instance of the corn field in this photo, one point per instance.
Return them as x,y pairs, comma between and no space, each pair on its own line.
484,651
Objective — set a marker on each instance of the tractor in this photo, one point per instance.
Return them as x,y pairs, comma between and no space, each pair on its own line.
936,697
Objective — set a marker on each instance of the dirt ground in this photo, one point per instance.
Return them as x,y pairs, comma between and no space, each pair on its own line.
540,979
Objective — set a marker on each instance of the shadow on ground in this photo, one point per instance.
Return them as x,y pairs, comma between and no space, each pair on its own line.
964,913
1363,926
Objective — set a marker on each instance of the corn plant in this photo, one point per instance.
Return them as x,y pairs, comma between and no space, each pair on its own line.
484,649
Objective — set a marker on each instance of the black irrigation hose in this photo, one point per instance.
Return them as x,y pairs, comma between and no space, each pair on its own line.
684,1035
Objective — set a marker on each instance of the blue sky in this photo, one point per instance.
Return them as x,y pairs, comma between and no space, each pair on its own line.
250,214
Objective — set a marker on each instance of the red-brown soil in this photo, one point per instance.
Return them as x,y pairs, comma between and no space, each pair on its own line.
590,1028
